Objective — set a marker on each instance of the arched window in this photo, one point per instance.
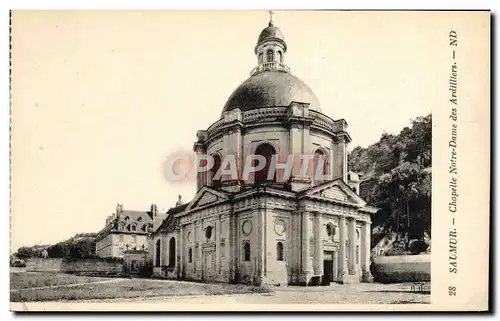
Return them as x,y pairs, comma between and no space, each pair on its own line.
270,56
261,58
190,255
280,56
171,252
216,183
267,151
246,252
279,251
320,157
133,227
158,253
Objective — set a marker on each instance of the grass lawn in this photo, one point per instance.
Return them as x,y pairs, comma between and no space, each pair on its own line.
131,288
24,280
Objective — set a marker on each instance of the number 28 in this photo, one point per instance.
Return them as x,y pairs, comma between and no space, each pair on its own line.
452,291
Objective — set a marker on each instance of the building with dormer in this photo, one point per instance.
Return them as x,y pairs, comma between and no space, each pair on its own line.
268,229
125,230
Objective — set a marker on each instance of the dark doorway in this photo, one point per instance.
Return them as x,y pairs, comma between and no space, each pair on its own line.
171,253
328,268
158,253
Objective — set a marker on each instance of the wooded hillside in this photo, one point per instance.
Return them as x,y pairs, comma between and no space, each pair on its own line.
397,179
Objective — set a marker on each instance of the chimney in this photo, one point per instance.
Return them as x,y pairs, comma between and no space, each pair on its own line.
179,201
154,210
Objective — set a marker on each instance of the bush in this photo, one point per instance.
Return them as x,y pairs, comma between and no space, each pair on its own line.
417,247
146,270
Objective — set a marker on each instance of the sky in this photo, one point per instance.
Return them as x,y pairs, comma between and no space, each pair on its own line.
101,98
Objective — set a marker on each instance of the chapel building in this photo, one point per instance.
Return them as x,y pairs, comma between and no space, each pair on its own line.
298,230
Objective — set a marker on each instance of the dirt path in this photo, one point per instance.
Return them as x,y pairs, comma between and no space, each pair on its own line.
67,285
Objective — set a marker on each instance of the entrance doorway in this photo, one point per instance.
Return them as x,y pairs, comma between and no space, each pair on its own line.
208,270
329,267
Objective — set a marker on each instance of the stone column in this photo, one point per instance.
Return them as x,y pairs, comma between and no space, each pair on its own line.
177,251
195,242
306,258
366,252
342,251
201,178
352,246
233,247
181,252
299,144
261,252
340,159
319,244
217,245
232,146
263,247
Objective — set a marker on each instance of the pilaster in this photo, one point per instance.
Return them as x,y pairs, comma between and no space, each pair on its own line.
307,268
217,232
343,272
352,246
181,252
366,252
319,244
195,246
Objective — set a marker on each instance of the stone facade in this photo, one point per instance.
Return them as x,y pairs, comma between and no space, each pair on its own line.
281,229
125,229
267,235
134,261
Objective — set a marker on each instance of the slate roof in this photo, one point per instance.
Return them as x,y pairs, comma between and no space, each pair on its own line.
143,221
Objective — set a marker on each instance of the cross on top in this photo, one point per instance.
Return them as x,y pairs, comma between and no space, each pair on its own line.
271,13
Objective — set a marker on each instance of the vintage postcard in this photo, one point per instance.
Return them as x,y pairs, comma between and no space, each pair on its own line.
250,160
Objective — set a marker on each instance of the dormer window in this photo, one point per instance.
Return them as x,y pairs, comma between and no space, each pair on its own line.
139,219
127,218
133,227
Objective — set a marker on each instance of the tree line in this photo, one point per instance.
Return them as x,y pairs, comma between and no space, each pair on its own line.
81,245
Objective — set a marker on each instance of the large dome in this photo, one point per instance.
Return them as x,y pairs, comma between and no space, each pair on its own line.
271,89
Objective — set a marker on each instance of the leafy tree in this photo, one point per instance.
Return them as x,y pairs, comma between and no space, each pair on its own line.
25,252
83,249
399,169
59,250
